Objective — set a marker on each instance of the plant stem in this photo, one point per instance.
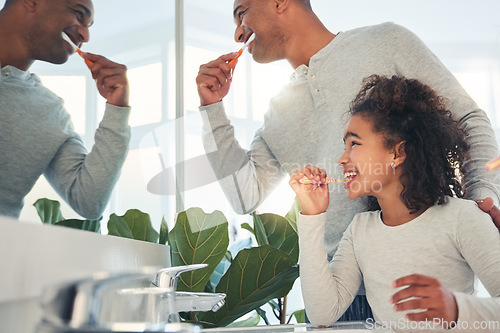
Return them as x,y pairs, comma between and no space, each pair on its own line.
279,310
283,311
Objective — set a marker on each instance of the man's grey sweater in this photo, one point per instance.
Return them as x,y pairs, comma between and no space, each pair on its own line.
37,137
304,123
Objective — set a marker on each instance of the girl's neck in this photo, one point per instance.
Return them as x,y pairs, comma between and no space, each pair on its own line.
394,212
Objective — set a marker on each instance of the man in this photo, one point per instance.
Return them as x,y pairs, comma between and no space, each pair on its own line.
36,133
304,123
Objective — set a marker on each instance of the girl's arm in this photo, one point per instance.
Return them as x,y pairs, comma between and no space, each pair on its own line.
478,241
327,289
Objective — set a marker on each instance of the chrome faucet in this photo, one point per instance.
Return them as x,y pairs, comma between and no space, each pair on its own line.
167,277
187,301
87,304
140,301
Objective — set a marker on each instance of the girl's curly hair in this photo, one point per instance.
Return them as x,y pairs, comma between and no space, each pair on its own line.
407,110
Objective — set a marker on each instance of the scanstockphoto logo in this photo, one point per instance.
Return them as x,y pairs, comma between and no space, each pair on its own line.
403,324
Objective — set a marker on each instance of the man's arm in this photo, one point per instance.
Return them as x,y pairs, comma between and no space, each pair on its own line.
246,177
84,180
413,59
487,205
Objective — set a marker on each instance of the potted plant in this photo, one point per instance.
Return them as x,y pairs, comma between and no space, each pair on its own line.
253,277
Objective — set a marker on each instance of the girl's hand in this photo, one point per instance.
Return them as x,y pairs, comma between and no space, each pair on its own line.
313,199
429,295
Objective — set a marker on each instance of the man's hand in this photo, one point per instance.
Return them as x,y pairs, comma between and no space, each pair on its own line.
429,295
487,205
110,78
214,79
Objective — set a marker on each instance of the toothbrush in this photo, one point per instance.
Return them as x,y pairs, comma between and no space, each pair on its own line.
70,42
493,165
240,52
306,180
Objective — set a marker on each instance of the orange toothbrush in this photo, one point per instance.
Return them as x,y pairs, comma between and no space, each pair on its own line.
76,48
240,52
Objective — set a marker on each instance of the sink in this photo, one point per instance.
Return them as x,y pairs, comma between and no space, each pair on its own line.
348,327
130,327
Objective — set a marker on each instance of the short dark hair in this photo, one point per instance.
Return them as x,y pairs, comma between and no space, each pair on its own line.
9,3
407,110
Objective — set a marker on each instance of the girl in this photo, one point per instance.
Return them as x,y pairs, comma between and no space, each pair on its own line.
419,253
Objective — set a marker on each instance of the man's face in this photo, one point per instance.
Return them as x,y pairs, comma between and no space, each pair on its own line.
52,17
259,17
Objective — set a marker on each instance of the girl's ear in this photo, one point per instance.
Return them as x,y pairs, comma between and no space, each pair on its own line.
399,153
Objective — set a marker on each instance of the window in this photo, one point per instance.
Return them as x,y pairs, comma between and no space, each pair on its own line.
73,91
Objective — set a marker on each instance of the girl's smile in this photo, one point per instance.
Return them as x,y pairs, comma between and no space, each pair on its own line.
349,175
367,160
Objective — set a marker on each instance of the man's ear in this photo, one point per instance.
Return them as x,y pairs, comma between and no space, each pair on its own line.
281,5
30,5
399,153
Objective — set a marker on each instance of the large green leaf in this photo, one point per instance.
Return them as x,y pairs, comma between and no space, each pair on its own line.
280,234
249,322
248,227
293,213
198,238
263,315
88,225
223,266
134,224
300,316
50,213
255,276
163,232
49,210
259,230
220,270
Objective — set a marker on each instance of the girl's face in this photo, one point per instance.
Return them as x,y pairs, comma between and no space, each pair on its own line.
366,161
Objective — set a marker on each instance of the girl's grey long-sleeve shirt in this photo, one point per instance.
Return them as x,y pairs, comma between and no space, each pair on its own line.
454,243
37,137
305,122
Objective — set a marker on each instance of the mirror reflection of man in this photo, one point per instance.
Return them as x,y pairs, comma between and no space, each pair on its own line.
36,133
